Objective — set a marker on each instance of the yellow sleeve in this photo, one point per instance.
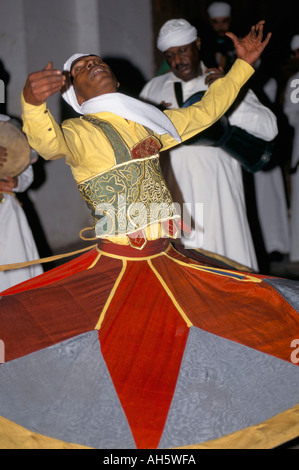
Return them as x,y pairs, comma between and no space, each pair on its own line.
43,133
216,101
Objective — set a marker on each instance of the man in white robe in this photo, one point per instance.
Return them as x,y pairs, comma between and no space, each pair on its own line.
207,180
17,244
268,218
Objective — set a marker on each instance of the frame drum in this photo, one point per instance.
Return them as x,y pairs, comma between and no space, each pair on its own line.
17,147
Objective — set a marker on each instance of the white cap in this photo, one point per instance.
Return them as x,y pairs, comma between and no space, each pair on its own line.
295,42
68,93
175,33
219,10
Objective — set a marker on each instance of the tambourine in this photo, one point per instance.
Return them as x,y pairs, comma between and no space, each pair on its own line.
17,148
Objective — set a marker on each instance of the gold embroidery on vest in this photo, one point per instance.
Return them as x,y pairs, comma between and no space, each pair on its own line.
131,197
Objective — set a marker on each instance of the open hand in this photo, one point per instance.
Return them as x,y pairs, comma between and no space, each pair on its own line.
251,46
40,85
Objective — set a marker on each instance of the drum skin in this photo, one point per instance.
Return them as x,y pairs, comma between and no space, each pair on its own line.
18,150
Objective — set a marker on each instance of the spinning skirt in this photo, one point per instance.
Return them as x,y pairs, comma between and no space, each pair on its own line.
149,349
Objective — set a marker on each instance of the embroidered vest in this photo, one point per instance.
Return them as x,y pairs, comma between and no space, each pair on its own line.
132,194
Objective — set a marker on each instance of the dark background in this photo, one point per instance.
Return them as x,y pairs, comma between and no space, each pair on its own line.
281,16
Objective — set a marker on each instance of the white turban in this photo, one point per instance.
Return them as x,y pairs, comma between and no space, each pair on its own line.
69,94
219,10
295,42
175,33
120,104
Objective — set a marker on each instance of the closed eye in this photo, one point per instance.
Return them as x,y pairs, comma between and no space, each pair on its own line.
77,69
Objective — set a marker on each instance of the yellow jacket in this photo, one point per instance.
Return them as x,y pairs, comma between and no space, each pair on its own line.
92,160
80,144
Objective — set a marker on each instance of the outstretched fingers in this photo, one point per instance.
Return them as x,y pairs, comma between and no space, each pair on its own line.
257,33
43,84
258,29
266,40
49,66
251,46
48,83
233,37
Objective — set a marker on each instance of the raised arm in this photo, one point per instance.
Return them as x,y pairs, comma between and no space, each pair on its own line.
43,133
222,92
251,46
40,85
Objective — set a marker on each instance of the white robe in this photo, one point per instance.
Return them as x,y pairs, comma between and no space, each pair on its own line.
271,199
16,241
291,109
210,179
273,210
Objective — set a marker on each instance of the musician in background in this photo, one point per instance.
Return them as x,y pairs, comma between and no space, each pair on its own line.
207,177
218,44
16,241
